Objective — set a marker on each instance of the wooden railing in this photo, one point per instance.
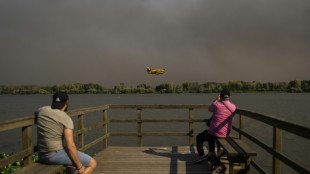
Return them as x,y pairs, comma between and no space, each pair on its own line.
277,124
276,150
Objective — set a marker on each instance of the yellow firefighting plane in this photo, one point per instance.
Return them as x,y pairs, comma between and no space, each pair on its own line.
155,71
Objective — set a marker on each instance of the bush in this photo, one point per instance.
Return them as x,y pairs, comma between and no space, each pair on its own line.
15,166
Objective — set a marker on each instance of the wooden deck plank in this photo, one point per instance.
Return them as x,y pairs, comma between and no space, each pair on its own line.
149,160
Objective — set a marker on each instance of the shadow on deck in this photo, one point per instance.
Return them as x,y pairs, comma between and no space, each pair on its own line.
149,160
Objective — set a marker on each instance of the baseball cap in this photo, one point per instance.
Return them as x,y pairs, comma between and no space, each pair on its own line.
225,93
59,100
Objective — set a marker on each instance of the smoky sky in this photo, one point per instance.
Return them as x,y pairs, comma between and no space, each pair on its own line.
113,41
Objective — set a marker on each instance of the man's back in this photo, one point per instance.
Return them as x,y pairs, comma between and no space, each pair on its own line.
222,118
51,124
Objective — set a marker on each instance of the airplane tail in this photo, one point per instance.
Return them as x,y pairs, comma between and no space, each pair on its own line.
148,69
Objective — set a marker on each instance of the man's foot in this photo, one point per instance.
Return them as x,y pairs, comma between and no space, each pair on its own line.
220,168
200,159
210,156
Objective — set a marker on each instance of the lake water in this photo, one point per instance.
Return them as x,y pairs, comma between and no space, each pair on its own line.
290,107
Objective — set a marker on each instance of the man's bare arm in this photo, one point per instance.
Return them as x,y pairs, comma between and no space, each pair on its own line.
72,149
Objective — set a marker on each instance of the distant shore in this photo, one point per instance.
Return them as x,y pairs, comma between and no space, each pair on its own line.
295,86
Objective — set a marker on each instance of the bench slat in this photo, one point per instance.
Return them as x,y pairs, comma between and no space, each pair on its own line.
247,149
227,147
235,146
237,152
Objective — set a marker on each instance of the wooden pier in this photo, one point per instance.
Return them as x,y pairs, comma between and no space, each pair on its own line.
175,159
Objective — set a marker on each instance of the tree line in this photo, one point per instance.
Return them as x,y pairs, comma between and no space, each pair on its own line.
295,86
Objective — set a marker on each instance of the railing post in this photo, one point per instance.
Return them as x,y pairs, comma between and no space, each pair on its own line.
139,124
81,126
191,126
27,142
105,128
277,145
241,126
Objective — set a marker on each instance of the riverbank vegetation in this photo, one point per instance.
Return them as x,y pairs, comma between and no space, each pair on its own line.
295,86
11,168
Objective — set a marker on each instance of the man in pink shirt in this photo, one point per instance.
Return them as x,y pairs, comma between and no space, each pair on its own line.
221,123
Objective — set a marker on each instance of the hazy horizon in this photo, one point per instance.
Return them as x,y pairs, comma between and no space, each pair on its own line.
113,41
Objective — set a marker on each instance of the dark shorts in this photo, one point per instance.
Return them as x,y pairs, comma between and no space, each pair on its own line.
61,157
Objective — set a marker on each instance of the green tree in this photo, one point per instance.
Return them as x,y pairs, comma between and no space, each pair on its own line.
294,86
202,89
141,89
235,85
186,86
279,86
166,88
150,90
190,87
305,85
179,89
43,91
118,88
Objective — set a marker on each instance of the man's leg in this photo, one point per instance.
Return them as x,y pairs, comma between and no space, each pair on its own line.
61,157
211,140
92,165
88,162
199,142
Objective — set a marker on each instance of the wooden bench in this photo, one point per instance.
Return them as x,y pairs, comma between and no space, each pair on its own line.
45,169
237,152
41,168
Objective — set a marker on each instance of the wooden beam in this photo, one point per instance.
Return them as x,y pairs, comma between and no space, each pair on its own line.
84,111
87,146
139,126
288,161
148,134
81,126
191,127
279,123
27,143
277,146
241,126
90,128
16,123
157,121
195,106
105,127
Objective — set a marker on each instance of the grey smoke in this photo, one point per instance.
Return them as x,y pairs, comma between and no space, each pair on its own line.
113,41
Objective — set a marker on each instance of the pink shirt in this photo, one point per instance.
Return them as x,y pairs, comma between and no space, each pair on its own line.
222,118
